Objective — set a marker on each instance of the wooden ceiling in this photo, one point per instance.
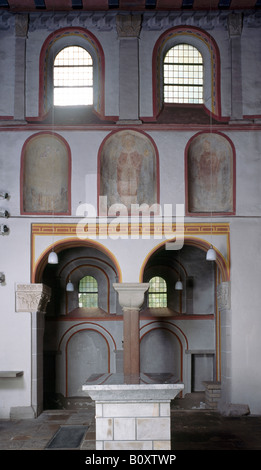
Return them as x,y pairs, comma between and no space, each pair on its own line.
129,5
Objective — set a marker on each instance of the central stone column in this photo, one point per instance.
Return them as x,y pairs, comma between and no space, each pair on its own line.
132,411
131,298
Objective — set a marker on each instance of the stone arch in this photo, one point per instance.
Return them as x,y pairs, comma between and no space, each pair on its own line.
204,245
70,243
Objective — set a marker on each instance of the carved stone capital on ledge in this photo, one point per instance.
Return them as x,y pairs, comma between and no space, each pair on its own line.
235,24
21,25
131,294
128,26
223,296
32,297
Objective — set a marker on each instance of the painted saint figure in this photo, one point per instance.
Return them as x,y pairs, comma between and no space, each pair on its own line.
128,171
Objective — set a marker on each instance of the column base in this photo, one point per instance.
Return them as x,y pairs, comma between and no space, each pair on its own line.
22,412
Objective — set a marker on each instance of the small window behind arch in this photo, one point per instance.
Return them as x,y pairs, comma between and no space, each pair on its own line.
157,292
183,75
88,292
73,77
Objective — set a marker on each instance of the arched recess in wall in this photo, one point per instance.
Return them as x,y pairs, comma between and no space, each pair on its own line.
162,350
103,272
54,43
128,172
208,48
45,175
210,169
84,348
87,353
199,315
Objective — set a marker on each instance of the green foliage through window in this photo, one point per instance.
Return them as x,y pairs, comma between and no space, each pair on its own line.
157,292
88,292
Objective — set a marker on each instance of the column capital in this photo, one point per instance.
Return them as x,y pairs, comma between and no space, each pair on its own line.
235,24
21,25
131,294
128,26
32,297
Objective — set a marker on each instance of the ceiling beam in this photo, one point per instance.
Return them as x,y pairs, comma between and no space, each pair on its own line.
130,5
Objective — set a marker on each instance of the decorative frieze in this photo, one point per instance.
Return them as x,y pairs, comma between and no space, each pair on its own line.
32,297
151,21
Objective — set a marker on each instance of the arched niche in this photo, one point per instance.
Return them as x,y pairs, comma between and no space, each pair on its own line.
45,175
210,174
161,352
75,262
87,353
128,170
196,274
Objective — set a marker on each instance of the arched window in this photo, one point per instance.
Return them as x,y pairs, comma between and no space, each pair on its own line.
76,52
183,75
196,51
88,292
73,77
157,295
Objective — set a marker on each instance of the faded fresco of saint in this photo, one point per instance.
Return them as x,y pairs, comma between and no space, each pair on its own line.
45,175
128,169
210,174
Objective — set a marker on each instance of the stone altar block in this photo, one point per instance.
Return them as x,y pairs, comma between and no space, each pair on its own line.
132,413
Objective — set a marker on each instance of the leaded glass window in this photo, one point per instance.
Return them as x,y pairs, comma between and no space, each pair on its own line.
183,75
73,77
157,294
88,292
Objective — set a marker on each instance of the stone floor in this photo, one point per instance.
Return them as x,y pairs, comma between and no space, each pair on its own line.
193,428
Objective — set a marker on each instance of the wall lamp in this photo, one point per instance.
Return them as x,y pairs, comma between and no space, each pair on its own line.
3,195
4,213
3,229
2,278
69,286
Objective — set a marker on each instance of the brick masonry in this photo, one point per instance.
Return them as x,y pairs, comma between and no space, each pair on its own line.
212,394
